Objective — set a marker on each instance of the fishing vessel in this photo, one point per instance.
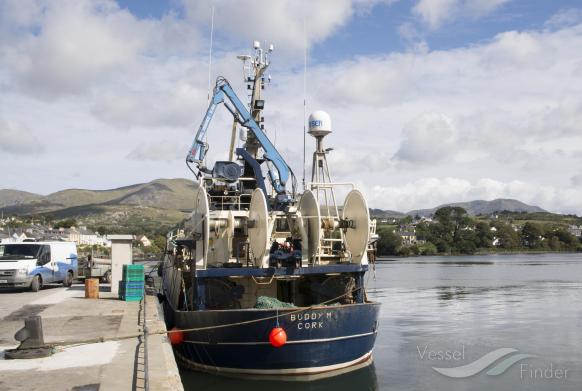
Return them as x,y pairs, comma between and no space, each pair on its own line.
265,279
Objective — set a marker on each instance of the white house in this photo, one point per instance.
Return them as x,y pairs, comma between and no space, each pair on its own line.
144,240
5,238
575,230
19,237
84,236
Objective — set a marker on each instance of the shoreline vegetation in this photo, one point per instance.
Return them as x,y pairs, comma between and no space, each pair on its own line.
389,258
452,231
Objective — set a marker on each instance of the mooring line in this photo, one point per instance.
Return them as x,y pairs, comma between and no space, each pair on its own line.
161,332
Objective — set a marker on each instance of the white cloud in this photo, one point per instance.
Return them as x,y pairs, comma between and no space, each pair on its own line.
20,13
564,18
79,43
498,98
576,180
158,151
414,129
281,22
16,138
169,106
428,139
70,47
434,13
411,195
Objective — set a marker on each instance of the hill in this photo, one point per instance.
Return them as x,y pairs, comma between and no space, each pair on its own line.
379,213
16,197
483,207
166,201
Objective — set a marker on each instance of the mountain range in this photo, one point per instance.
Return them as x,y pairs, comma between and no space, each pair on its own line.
169,201
164,201
473,208
483,207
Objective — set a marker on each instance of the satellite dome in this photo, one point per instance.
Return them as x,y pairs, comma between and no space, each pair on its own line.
319,124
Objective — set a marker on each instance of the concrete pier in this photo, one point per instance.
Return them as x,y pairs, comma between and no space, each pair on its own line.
69,321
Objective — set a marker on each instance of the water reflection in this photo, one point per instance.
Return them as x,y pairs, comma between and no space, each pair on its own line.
361,377
453,303
462,292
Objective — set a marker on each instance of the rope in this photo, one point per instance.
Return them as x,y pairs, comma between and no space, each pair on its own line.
160,332
264,318
263,283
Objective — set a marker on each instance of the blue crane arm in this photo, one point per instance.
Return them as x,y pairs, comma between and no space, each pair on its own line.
279,174
198,148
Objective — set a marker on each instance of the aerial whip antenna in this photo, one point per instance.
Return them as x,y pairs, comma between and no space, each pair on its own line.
210,65
304,89
210,51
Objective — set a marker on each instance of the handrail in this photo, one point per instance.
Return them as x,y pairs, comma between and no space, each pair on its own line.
329,185
146,380
233,200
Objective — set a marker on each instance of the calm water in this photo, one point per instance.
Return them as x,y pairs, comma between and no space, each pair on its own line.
448,312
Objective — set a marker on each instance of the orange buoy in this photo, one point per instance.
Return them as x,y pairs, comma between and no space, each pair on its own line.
176,336
278,337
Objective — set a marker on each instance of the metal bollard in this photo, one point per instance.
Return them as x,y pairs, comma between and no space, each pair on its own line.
31,340
31,335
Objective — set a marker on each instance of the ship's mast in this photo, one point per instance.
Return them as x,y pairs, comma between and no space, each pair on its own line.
321,182
254,68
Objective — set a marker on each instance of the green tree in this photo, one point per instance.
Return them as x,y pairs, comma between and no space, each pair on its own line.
465,241
406,220
404,251
428,249
389,243
484,234
453,231
555,244
67,223
560,239
159,241
415,249
532,235
508,238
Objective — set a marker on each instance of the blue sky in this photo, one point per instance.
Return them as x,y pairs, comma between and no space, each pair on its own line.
375,30
432,101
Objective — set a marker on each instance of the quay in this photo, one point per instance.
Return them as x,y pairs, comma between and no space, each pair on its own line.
75,326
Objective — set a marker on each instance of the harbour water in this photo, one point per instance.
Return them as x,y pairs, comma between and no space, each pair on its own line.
506,322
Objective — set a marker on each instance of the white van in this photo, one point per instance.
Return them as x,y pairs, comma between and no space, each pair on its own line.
30,265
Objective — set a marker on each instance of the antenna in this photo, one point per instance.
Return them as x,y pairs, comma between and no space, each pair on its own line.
304,90
210,66
210,50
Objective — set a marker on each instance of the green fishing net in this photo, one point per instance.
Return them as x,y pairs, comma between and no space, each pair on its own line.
266,302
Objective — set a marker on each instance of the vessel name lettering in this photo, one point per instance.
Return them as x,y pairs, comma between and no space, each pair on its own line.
310,316
310,320
309,325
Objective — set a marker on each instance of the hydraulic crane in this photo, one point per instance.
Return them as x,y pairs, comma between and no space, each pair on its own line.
279,170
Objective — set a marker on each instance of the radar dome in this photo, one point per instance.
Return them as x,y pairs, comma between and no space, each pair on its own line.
319,124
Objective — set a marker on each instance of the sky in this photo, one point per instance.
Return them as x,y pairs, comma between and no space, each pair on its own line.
432,101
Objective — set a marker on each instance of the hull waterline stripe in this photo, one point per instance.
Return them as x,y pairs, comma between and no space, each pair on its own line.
286,371
287,343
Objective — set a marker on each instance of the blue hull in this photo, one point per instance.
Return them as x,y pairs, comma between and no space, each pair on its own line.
319,339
